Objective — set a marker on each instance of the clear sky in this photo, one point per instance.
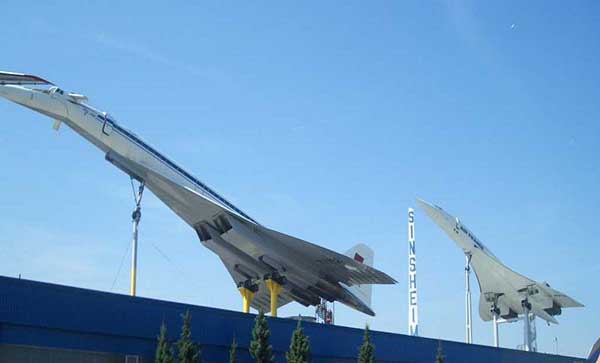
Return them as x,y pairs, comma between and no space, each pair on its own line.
324,121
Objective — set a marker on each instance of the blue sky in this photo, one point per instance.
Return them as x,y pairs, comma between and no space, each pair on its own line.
324,121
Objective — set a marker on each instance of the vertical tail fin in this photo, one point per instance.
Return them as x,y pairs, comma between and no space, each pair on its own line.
363,254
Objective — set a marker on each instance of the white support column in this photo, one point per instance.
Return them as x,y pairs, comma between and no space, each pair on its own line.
496,336
526,326
533,333
492,298
468,314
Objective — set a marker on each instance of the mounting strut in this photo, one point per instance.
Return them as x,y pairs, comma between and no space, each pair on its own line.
468,309
135,218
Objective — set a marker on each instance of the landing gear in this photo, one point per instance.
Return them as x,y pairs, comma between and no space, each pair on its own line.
135,217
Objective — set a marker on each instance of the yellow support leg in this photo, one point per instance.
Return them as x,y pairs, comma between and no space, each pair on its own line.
132,282
275,289
247,296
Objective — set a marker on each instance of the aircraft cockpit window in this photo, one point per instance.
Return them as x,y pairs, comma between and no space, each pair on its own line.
56,90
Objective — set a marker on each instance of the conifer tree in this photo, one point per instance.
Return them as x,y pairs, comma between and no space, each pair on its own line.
260,349
440,357
367,350
164,352
187,350
299,346
233,352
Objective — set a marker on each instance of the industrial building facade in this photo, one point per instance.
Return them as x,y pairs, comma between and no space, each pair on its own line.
41,322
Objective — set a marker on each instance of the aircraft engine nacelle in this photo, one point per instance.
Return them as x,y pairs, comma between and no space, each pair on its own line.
247,272
554,310
272,263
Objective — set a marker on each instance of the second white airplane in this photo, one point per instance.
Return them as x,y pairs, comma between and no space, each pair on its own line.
504,292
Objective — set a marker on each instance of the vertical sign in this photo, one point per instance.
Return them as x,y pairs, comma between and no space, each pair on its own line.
413,311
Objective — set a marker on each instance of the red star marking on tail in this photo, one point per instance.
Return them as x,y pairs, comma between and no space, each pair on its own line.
359,258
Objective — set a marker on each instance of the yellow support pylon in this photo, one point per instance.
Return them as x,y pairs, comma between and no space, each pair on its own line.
275,289
247,297
132,281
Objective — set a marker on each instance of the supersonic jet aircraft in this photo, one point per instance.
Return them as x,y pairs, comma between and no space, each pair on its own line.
266,265
503,291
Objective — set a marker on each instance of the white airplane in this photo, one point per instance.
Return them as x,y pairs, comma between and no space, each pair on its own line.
503,291
266,265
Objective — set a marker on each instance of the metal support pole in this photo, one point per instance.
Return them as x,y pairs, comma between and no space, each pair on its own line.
468,314
135,217
526,326
492,298
496,336
533,332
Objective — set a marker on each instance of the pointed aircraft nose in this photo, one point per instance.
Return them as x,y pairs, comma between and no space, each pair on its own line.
439,216
447,222
432,210
426,206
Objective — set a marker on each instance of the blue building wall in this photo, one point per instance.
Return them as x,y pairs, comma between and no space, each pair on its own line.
47,315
